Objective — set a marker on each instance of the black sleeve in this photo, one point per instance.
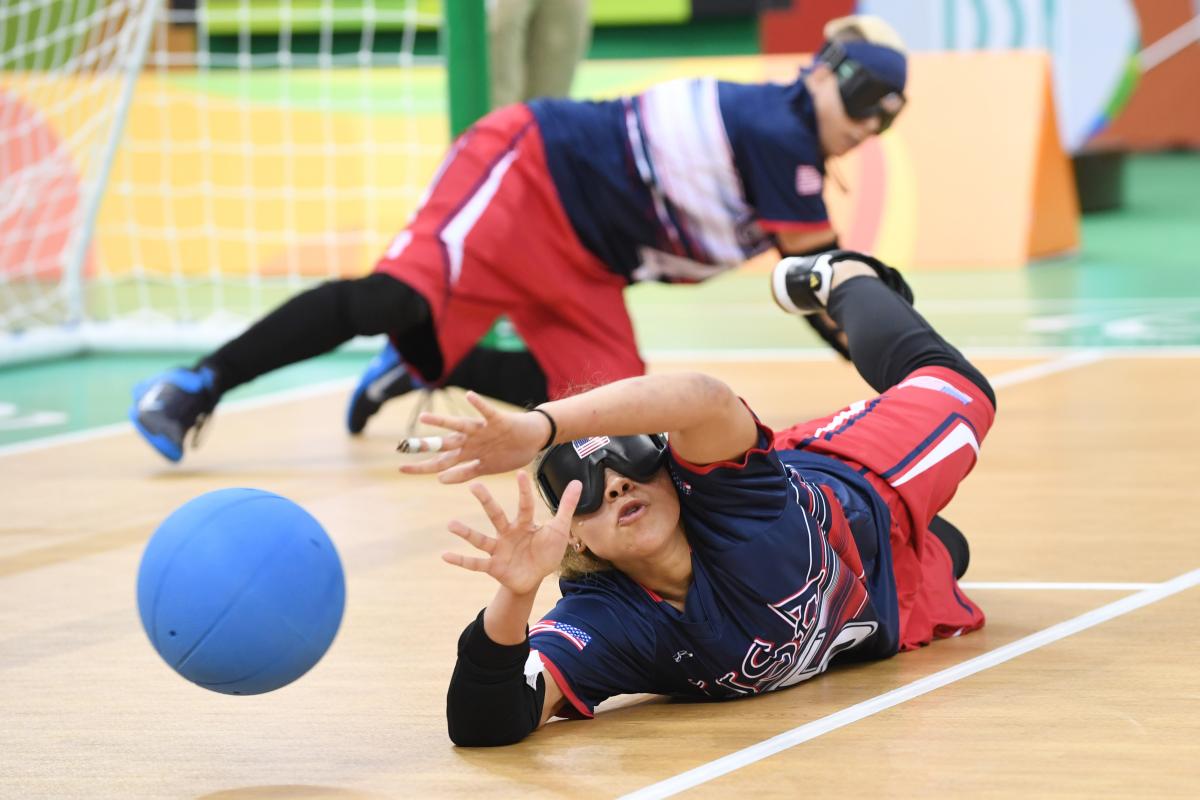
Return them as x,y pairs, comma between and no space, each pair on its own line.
490,702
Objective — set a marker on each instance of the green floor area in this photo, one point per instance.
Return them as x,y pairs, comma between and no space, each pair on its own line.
1135,283
74,394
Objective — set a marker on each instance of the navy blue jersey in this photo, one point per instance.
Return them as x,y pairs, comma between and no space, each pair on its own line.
687,179
791,568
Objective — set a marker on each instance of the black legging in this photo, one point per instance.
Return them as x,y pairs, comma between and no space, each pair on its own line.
889,339
326,316
317,321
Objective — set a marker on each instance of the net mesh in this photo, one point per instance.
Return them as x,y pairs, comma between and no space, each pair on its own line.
265,146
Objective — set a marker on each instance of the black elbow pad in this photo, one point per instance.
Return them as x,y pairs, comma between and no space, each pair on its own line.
490,702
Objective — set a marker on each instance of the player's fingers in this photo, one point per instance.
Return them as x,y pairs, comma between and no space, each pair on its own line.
432,444
524,499
494,512
473,537
461,473
432,465
567,504
466,562
420,468
460,424
454,441
486,409
425,444
439,420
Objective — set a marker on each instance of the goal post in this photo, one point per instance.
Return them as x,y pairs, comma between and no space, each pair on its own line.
466,48
67,70
170,170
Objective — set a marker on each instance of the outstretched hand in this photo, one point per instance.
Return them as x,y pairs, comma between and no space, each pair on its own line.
521,553
499,442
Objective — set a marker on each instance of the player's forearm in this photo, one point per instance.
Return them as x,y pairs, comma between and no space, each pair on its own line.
706,419
638,405
506,618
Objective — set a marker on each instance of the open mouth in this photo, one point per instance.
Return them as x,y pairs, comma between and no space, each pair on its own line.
631,511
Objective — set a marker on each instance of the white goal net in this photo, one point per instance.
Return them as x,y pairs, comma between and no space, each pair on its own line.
170,170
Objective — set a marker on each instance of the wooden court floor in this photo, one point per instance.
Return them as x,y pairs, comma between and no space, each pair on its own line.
1082,516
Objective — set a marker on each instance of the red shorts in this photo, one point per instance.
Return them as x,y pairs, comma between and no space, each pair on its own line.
914,444
492,238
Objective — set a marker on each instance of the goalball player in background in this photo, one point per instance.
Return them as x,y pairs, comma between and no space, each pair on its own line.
545,211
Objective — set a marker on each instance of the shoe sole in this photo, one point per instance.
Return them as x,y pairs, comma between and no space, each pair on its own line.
164,445
779,292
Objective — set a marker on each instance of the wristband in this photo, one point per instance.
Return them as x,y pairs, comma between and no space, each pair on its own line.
553,427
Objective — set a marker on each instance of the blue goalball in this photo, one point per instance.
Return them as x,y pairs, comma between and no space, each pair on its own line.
240,591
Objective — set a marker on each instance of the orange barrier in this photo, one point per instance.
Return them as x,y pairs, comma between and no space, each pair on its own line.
972,174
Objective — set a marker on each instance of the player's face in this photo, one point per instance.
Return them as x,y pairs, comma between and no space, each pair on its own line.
838,131
635,522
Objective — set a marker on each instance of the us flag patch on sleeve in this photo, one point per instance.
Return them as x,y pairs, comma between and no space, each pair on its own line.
569,632
808,180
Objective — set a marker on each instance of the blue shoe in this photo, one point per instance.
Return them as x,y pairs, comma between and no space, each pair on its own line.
387,376
170,404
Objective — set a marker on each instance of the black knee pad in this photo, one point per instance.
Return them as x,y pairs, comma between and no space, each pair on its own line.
514,377
380,303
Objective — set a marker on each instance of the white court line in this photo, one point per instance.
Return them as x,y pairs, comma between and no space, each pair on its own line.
760,354
867,708
741,758
1069,359
1056,586
236,406
973,306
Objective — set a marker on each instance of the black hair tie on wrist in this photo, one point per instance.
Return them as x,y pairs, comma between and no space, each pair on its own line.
553,427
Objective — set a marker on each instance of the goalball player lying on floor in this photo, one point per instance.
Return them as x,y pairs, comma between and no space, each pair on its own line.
722,560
